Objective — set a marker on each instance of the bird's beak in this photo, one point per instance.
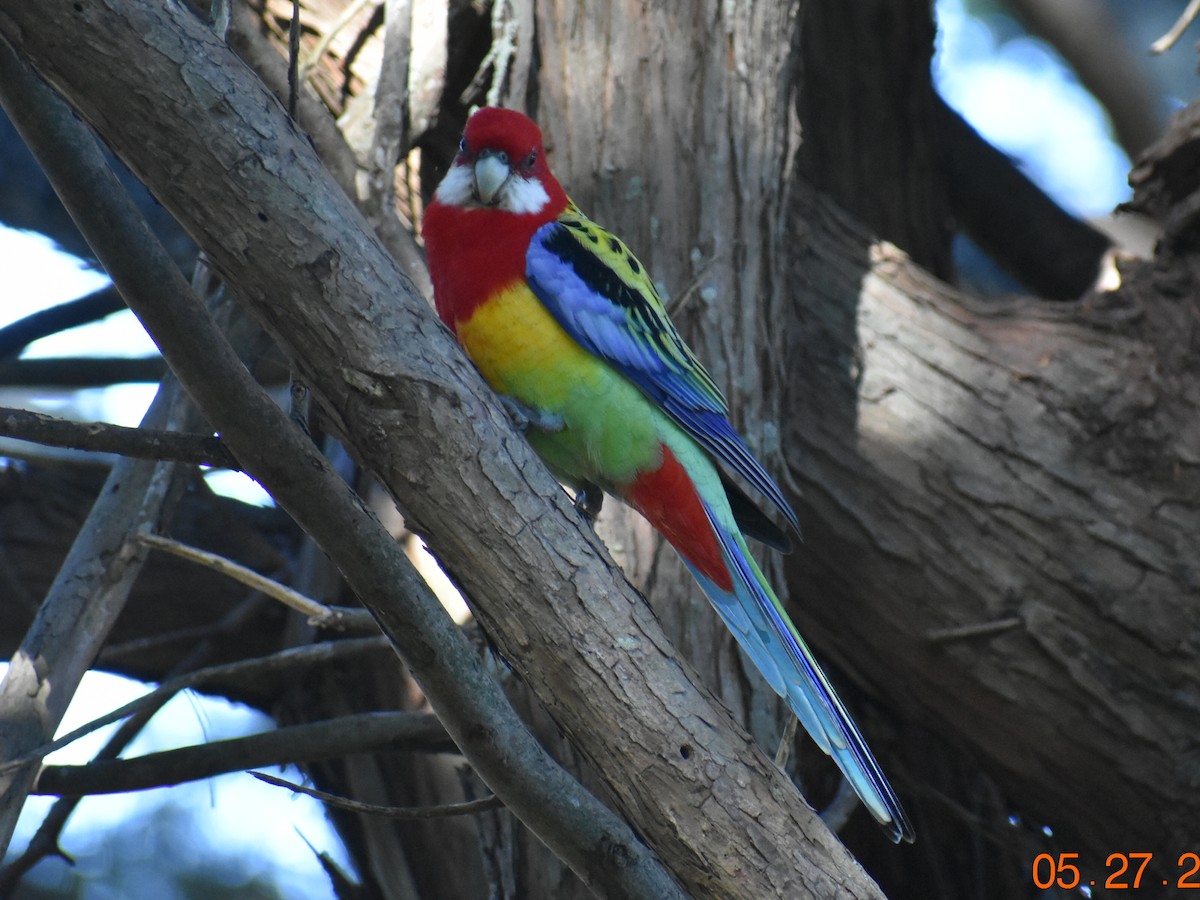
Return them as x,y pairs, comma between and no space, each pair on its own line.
491,171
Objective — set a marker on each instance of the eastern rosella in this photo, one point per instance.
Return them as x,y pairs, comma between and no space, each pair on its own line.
564,323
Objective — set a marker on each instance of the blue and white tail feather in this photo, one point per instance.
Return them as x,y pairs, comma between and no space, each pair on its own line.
768,637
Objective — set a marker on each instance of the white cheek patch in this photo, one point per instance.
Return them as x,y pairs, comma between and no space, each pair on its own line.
457,187
523,196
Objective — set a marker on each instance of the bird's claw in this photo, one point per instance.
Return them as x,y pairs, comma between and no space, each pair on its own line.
525,417
589,500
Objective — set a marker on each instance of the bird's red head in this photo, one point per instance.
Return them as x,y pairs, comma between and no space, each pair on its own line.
501,164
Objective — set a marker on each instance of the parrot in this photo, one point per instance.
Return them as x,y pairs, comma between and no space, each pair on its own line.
565,325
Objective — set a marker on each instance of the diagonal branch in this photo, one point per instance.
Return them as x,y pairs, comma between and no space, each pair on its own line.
469,699
281,592
332,618
20,334
94,581
293,248
1091,41
1055,254
45,841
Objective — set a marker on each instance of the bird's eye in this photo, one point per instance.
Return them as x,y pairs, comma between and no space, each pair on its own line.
529,160
462,146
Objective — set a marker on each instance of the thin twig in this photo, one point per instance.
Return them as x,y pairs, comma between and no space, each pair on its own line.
505,26
93,583
1167,41
293,59
316,612
102,437
467,808
45,841
322,46
966,632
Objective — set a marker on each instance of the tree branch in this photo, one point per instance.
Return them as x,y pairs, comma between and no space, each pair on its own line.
247,41
84,602
306,606
1084,32
1031,466
18,335
101,437
469,700
94,581
276,666
319,615
81,372
1175,32
46,839
297,743
467,808
417,414
1046,248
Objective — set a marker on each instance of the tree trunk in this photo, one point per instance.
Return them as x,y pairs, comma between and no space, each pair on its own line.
1005,495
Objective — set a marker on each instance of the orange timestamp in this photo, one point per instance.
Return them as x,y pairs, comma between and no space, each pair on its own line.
1124,871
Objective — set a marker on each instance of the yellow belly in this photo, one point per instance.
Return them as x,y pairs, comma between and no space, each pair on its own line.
612,431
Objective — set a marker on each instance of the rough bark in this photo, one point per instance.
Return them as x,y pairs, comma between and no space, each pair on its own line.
1030,467
252,194
82,604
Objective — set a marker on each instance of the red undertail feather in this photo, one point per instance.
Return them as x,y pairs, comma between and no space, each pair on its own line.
668,499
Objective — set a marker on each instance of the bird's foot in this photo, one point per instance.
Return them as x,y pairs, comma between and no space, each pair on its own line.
589,499
525,417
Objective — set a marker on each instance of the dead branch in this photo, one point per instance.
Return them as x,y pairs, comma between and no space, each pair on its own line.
467,808
294,744
102,437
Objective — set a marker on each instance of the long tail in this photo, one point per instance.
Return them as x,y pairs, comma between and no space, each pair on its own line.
758,621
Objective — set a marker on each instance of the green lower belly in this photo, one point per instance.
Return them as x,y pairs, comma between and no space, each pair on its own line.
611,430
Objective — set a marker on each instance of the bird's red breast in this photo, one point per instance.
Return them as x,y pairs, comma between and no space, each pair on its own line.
474,253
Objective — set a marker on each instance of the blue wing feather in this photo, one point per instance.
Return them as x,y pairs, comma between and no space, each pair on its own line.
599,293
